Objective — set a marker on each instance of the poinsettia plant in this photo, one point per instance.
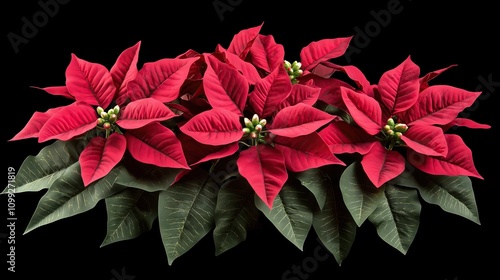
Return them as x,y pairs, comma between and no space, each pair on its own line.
211,142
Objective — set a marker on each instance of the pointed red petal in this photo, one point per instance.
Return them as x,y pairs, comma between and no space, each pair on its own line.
189,53
57,90
439,105
242,41
323,50
322,70
382,165
224,86
458,161
100,156
351,71
297,120
305,152
354,73
342,137
196,152
364,110
426,140
35,124
156,144
89,82
266,54
465,123
424,81
161,79
301,93
141,112
399,87
270,92
125,70
214,127
70,121
330,90
197,68
247,69
264,168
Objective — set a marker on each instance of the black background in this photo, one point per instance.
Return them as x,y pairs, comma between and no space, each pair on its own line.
446,246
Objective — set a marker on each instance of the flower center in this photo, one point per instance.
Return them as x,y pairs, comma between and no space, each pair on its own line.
253,130
392,132
107,120
293,70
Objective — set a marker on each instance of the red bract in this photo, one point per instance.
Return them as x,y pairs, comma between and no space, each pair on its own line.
404,116
90,86
257,110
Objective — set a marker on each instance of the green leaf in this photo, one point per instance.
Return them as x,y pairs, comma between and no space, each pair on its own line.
360,195
317,182
334,224
39,172
68,197
330,109
186,212
235,212
291,213
131,212
454,194
146,177
397,218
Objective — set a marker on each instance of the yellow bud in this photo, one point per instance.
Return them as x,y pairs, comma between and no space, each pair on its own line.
287,64
248,123
255,119
113,117
400,127
296,65
99,110
390,122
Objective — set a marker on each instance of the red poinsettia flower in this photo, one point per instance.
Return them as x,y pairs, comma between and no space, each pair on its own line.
257,109
126,125
403,116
